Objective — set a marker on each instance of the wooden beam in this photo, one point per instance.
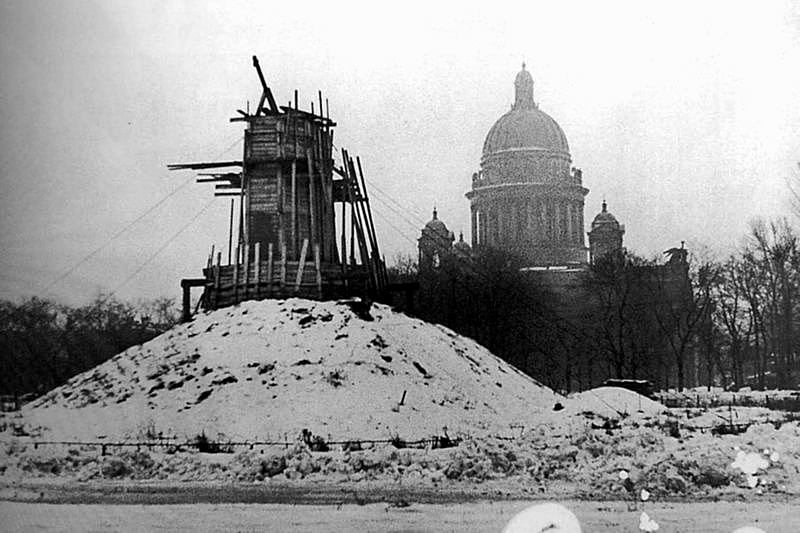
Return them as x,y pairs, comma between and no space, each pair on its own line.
344,238
301,265
295,240
230,232
281,221
200,166
294,126
260,106
283,266
242,222
266,90
246,271
269,269
318,268
258,268
312,208
236,277
216,280
380,271
311,116
211,180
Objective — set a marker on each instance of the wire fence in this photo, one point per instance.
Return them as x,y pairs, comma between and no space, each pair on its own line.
204,445
778,402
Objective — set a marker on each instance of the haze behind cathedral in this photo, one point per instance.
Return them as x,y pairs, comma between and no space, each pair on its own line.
683,116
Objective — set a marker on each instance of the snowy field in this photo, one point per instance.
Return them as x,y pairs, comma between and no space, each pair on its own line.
254,376
595,517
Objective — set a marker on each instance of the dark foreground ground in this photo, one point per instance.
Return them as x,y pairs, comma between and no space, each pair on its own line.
76,507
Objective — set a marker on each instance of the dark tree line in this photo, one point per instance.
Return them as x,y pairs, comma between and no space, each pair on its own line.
684,322
43,344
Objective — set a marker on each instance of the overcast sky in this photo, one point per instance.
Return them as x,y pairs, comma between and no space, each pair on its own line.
683,115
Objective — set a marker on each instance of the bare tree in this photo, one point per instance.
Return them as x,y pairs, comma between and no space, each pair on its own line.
774,247
624,328
732,313
681,304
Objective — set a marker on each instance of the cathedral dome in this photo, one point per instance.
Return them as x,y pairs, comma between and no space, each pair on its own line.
525,126
436,226
462,246
604,218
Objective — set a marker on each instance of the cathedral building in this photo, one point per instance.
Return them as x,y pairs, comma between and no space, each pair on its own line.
527,201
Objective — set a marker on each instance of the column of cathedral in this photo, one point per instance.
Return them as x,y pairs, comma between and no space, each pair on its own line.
474,225
570,232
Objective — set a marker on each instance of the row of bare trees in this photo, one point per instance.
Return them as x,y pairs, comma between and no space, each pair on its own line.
686,322
756,298
42,343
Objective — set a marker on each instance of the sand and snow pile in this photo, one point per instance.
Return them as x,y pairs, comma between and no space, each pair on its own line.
266,369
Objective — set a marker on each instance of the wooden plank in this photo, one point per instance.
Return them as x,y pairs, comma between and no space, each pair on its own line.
246,279
312,208
344,237
257,260
236,277
281,234
269,269
294,207
380,269
301,265
283,266
230,233
318,271
216,279
310,116
201,166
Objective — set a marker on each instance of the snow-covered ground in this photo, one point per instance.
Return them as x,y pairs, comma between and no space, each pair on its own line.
264,370
595,517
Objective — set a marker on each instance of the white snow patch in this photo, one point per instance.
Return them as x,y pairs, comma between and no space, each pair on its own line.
613,402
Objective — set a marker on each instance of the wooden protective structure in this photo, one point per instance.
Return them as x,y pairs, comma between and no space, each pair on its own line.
289,190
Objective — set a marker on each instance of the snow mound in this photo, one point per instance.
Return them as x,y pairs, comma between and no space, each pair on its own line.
265,370
613,402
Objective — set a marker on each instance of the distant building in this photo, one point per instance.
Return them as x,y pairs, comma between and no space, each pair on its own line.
436,241
527,200
605,237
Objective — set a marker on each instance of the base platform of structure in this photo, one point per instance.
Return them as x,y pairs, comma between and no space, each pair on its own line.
231,284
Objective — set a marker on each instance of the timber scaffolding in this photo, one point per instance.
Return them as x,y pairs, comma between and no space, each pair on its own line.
288,187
